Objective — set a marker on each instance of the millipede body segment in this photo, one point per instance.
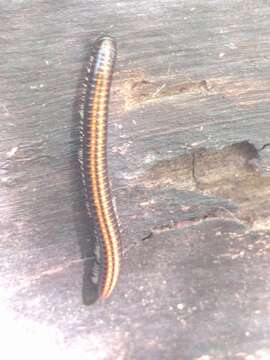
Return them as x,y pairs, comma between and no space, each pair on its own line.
93,160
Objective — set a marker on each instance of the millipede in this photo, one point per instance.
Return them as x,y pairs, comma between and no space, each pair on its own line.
93,163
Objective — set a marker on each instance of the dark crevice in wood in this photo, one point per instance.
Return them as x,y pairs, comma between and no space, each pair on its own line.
194,169
219,213
234,172
264,147
148,236
138,89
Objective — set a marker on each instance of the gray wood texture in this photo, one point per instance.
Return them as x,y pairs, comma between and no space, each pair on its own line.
189,161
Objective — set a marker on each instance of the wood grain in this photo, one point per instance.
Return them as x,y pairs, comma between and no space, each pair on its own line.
189,161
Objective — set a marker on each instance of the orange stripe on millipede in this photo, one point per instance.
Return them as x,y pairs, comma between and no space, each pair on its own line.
111,235
100,192
94,166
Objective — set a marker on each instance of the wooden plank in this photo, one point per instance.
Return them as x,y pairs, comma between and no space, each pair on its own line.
190,168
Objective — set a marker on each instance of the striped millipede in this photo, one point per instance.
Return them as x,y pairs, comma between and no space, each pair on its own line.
93,162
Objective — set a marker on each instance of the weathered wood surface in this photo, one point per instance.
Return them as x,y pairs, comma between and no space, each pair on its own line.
189,161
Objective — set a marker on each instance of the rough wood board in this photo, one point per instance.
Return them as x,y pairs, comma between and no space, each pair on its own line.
189,162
